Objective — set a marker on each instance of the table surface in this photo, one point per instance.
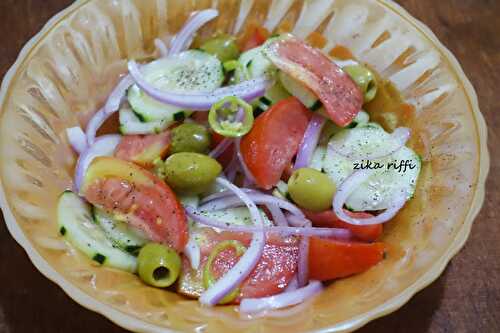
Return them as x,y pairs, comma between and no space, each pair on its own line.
466,298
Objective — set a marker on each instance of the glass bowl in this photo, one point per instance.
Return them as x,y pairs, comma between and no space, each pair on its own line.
65,73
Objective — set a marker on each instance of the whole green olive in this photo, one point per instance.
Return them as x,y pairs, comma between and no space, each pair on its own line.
223,47
311,189
365,80
187,137
191,172
158,265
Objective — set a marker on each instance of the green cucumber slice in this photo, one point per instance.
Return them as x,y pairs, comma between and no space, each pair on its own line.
297,89
190,71
119,233
130,124
388,182
77,225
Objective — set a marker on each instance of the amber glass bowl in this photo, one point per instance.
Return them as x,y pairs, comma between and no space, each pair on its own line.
65,73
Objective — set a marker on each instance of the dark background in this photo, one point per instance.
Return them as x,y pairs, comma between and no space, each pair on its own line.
466,298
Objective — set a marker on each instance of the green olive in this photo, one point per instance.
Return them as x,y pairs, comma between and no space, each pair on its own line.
193,138
223,47
158,265
365,80
311,189
191,172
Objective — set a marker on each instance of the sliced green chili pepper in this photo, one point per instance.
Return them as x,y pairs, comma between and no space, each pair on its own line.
365,79
237,67
232,65
208,277
222,117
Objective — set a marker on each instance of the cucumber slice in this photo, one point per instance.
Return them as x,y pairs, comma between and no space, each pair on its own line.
130,124
362,118
318,158
387,183
77,226
119,233
235,216
297,89
189,200
190,71
254,64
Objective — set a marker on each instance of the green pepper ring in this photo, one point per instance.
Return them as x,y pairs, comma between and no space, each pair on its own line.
224,128
208,277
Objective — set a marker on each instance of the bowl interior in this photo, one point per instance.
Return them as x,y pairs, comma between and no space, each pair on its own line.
68,70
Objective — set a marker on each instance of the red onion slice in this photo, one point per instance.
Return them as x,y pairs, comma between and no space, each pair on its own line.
247,90
94,124
400,137
260,199
249,178
193,253
292,285
184,38
247,262
77,139
112,105
278,216
224,194
303,264
161,47
309,142
345,63
297,221
348,187
221,148
116,97
336,233
232,169
103,146
255,305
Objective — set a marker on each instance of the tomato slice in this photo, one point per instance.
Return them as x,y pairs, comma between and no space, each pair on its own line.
328,219
138,197
272,274
257,37
331,259
143,149
340,96
275,270
274,140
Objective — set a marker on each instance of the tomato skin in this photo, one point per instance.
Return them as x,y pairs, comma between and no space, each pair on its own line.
331,259
143,149
256,38
272,274
275,270
328,219
138,197
341,97
274,140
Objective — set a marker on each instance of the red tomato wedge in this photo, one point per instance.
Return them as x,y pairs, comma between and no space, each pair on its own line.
274,140
340,96
138,197
276,267
143,149
272,274
330,259
328,219
256,38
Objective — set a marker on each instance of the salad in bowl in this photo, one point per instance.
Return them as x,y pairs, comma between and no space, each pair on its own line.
246,165
243,171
